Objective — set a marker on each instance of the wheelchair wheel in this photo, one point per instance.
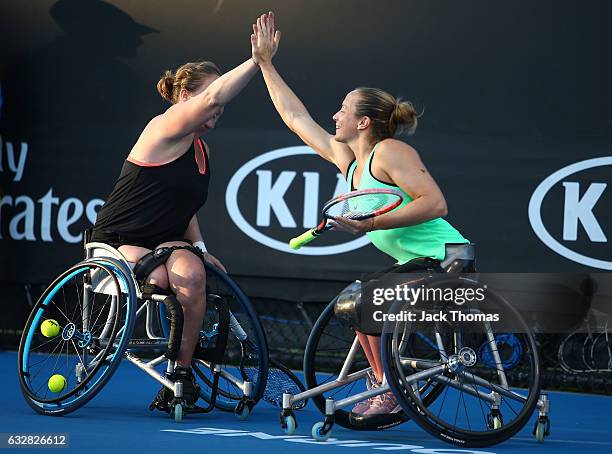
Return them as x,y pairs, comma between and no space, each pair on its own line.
74,338
326,350
490,371
245,356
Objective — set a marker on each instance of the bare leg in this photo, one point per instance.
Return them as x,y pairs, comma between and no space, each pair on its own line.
371,349
374,344
365,346
187,279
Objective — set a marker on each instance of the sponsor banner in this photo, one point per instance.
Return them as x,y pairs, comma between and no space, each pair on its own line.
529,186
271,199
586,232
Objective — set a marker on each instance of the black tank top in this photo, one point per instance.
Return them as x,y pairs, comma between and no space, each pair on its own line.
154,203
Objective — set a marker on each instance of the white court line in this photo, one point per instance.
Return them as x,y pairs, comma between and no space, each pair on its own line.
556,440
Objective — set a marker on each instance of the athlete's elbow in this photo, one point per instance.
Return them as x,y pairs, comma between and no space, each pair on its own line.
441,208
212,101
291,119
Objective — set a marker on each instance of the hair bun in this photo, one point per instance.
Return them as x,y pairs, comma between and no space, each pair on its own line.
403,118
165,86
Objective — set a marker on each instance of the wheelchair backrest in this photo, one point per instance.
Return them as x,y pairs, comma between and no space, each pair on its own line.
459,258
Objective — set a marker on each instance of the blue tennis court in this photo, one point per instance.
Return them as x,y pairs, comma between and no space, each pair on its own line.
118,418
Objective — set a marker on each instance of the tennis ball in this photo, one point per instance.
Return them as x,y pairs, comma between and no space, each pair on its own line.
49,328
57,383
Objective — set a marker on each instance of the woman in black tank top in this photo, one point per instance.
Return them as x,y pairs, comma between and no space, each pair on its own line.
154,203
164,182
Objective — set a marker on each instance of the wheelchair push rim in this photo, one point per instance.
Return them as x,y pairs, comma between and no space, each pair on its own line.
75,349
488,390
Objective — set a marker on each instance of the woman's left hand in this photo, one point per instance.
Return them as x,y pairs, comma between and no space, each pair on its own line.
214,261
354,227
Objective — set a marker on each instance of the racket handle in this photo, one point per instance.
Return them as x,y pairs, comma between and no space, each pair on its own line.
303,239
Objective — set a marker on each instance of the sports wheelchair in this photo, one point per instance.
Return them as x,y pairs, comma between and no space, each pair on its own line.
104,315
465,384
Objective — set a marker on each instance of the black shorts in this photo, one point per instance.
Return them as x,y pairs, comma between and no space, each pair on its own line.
115,240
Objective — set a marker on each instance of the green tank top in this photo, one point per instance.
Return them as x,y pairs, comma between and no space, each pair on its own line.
406,243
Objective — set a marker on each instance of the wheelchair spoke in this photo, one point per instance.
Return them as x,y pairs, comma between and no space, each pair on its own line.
50,355
74,312
52,303
479,401
78,293
443,400
352,385
505,401
45,343
467,416
79,356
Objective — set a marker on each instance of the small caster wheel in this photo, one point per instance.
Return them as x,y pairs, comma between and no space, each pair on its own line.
540,432
242,411
290,425
178,412
317,432
541,429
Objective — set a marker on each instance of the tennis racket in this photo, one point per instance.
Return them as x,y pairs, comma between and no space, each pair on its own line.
280,378
355,205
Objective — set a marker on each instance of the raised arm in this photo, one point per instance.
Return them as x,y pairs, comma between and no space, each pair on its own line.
184,118
292,111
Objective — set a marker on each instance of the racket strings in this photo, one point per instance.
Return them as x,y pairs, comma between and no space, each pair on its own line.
278,383
361,206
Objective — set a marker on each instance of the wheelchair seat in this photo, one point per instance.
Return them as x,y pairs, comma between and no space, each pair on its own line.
102,282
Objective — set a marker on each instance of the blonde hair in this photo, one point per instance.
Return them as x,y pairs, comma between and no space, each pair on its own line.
390,116
189,77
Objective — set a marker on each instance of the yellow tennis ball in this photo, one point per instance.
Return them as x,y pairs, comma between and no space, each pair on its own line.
50,328
57,383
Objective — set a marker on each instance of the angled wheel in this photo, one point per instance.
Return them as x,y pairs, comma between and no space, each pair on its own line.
75,337
490,371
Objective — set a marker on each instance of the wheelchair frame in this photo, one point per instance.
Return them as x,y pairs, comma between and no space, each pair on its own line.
106,272
456,362
155,342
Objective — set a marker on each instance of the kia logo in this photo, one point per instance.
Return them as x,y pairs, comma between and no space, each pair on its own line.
576,209
271,191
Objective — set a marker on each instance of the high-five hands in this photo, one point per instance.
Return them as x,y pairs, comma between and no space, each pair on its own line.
265,39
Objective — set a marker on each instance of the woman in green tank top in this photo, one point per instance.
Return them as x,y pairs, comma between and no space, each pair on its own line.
364,150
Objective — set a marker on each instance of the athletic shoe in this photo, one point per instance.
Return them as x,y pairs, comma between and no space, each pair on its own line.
364,405
191,390
383,404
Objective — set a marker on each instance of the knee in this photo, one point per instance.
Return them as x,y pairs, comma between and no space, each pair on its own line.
159,277
191,284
